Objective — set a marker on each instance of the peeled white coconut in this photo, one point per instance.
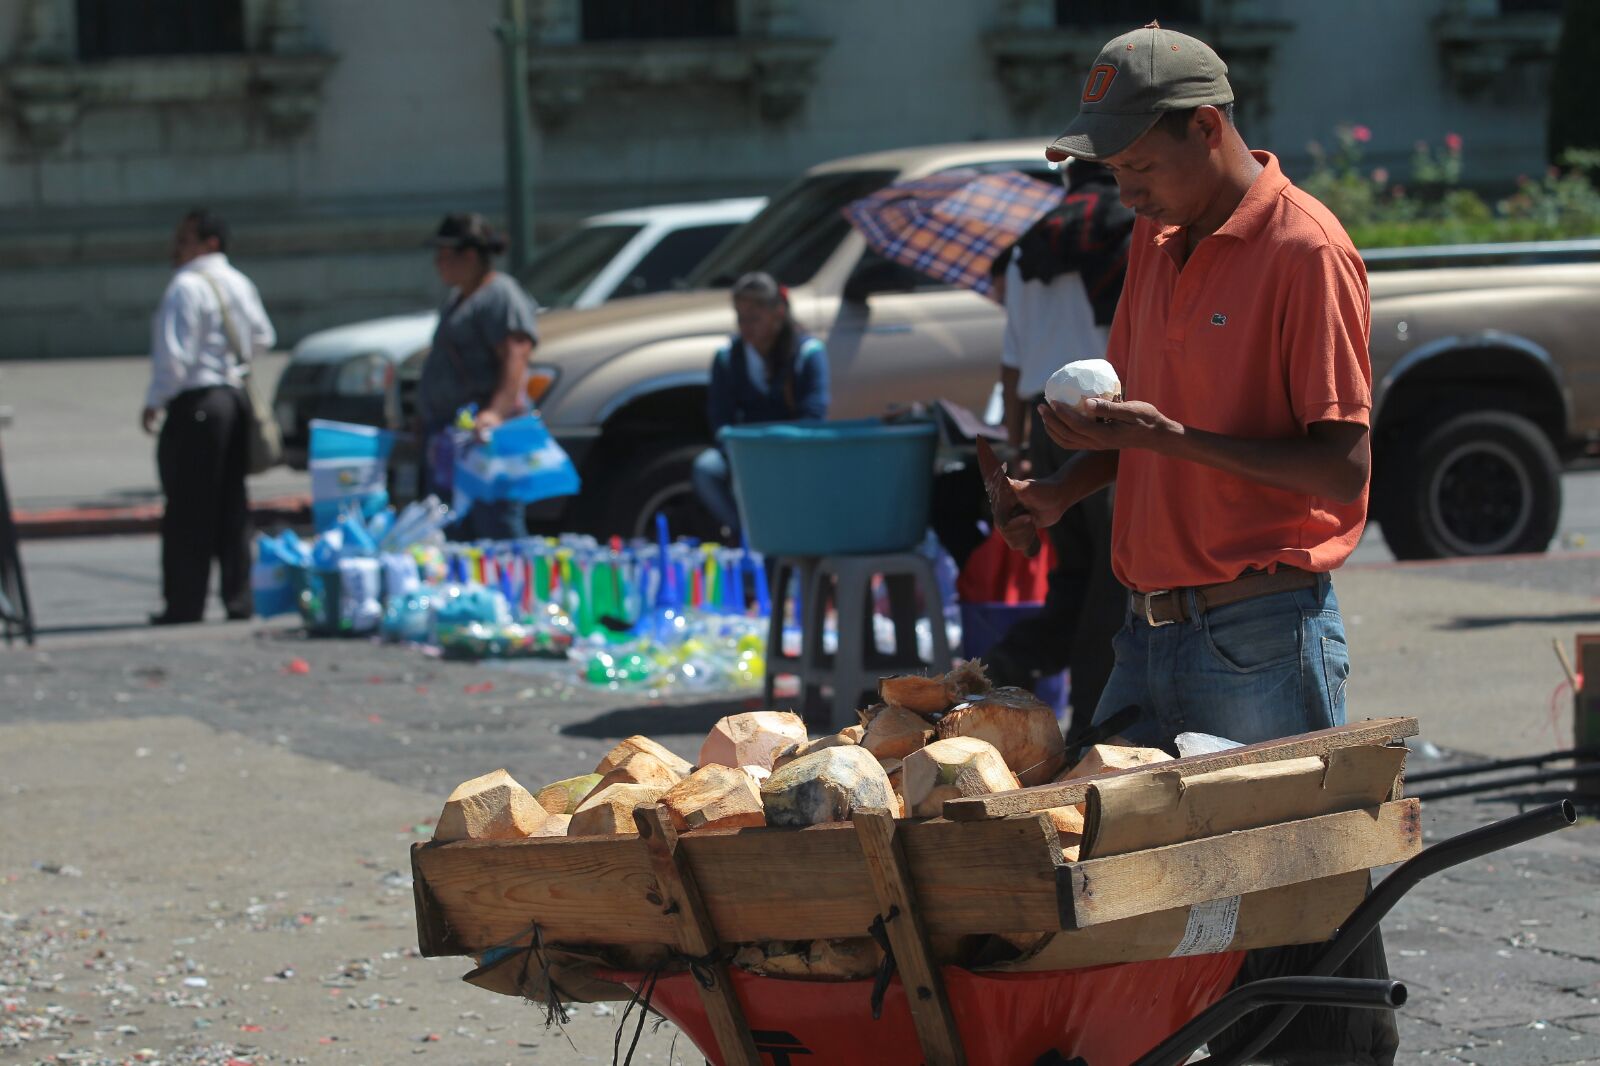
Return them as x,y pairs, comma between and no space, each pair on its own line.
1083,378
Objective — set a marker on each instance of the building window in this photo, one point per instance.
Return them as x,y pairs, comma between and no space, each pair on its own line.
113,29
1129,13
649,20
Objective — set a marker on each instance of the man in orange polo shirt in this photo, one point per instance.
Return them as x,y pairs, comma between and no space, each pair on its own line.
1240,449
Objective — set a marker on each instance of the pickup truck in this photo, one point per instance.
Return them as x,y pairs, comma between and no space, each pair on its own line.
1482,374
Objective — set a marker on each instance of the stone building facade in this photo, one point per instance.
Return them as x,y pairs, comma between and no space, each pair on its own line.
333,133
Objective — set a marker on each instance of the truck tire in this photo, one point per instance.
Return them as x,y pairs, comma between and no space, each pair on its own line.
638,484
1480,483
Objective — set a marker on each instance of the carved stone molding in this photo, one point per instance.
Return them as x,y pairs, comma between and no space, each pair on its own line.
280,75
772,61
1484,52
1040,63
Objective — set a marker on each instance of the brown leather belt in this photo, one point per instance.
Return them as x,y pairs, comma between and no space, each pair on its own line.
1166,606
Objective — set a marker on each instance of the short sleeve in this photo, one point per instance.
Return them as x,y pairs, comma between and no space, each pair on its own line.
1326,324
508,313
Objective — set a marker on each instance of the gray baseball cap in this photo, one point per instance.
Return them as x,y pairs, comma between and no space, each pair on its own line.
1136,78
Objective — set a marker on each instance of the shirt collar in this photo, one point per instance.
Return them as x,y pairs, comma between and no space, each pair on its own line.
1253,211
208,261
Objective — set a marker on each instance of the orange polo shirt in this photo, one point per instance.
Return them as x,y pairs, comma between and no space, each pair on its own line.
1261,333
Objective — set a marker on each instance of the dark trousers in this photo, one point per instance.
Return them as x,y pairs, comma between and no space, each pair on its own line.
1084,604
202,455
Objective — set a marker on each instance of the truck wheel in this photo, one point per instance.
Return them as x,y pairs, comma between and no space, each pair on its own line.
1481,483
639,485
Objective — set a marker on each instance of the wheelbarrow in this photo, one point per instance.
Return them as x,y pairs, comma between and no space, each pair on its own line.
1144,931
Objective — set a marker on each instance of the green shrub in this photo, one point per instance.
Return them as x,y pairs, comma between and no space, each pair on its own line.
1432,208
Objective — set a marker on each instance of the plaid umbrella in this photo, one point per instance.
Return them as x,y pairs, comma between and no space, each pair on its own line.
952,227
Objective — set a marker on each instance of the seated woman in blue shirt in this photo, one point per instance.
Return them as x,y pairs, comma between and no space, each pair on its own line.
772,370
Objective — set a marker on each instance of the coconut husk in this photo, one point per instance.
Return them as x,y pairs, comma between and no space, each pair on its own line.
950,769
1103,758
609,812
895,733
491,807
1021,728
752,738
911,692
627,747
714,797
965,682
794,751
564,796
826,786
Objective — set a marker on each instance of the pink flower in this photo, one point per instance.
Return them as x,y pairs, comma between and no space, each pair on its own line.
1361,133
1380,175
1452,141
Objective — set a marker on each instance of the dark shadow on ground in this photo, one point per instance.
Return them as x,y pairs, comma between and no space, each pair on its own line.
1494,621
662,719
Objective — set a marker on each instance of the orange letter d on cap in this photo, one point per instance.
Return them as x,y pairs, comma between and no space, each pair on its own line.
1100,79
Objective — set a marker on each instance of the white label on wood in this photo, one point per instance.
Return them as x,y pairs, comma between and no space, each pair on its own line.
1210,928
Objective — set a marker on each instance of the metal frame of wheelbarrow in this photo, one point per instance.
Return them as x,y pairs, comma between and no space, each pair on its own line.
1318,987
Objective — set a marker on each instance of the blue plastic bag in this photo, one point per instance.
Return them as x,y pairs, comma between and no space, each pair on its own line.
349,466
272,574
521,462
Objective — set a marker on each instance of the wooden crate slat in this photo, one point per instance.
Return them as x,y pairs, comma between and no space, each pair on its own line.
758,884
1068,793
1179,875
580,890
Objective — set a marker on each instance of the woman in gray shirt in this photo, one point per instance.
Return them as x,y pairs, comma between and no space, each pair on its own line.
480,353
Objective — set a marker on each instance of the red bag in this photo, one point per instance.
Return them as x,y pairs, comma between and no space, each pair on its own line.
1109,1015
996,574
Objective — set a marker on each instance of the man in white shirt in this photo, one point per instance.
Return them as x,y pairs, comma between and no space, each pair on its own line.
210,324
1062,282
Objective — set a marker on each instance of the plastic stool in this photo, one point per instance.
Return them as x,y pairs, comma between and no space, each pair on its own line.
846,581
785,568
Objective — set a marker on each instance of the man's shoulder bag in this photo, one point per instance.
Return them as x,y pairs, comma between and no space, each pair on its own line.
266,441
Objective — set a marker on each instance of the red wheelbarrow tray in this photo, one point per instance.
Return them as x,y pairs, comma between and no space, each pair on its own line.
1182,866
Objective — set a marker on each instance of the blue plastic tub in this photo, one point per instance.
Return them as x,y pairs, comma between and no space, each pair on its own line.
832,488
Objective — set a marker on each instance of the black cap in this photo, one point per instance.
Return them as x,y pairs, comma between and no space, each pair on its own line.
467,230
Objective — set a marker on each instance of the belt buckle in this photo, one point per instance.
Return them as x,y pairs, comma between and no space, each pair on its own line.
1149,615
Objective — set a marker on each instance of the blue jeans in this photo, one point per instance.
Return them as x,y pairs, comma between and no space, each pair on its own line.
1256,670
713,483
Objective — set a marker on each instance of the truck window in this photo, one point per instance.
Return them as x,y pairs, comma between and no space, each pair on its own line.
667,264
561,270
794,235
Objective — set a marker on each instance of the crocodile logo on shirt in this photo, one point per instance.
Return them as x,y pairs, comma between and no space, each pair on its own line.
1219,319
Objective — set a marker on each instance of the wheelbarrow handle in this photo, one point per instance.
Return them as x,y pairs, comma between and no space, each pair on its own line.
1273,992
1364,919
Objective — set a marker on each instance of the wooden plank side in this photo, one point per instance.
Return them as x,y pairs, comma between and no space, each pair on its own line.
433,932
774,884
1178,875
1376,731
579,890
1150,810
696,938
1306,912
758,884
898,903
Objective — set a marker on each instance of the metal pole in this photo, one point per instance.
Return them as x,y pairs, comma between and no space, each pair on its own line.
513,34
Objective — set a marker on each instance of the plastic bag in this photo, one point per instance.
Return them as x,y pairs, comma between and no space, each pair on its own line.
360,595
519,462
348,466
272,574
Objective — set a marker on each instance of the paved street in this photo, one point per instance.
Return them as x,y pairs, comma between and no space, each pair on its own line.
192,805
75,439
